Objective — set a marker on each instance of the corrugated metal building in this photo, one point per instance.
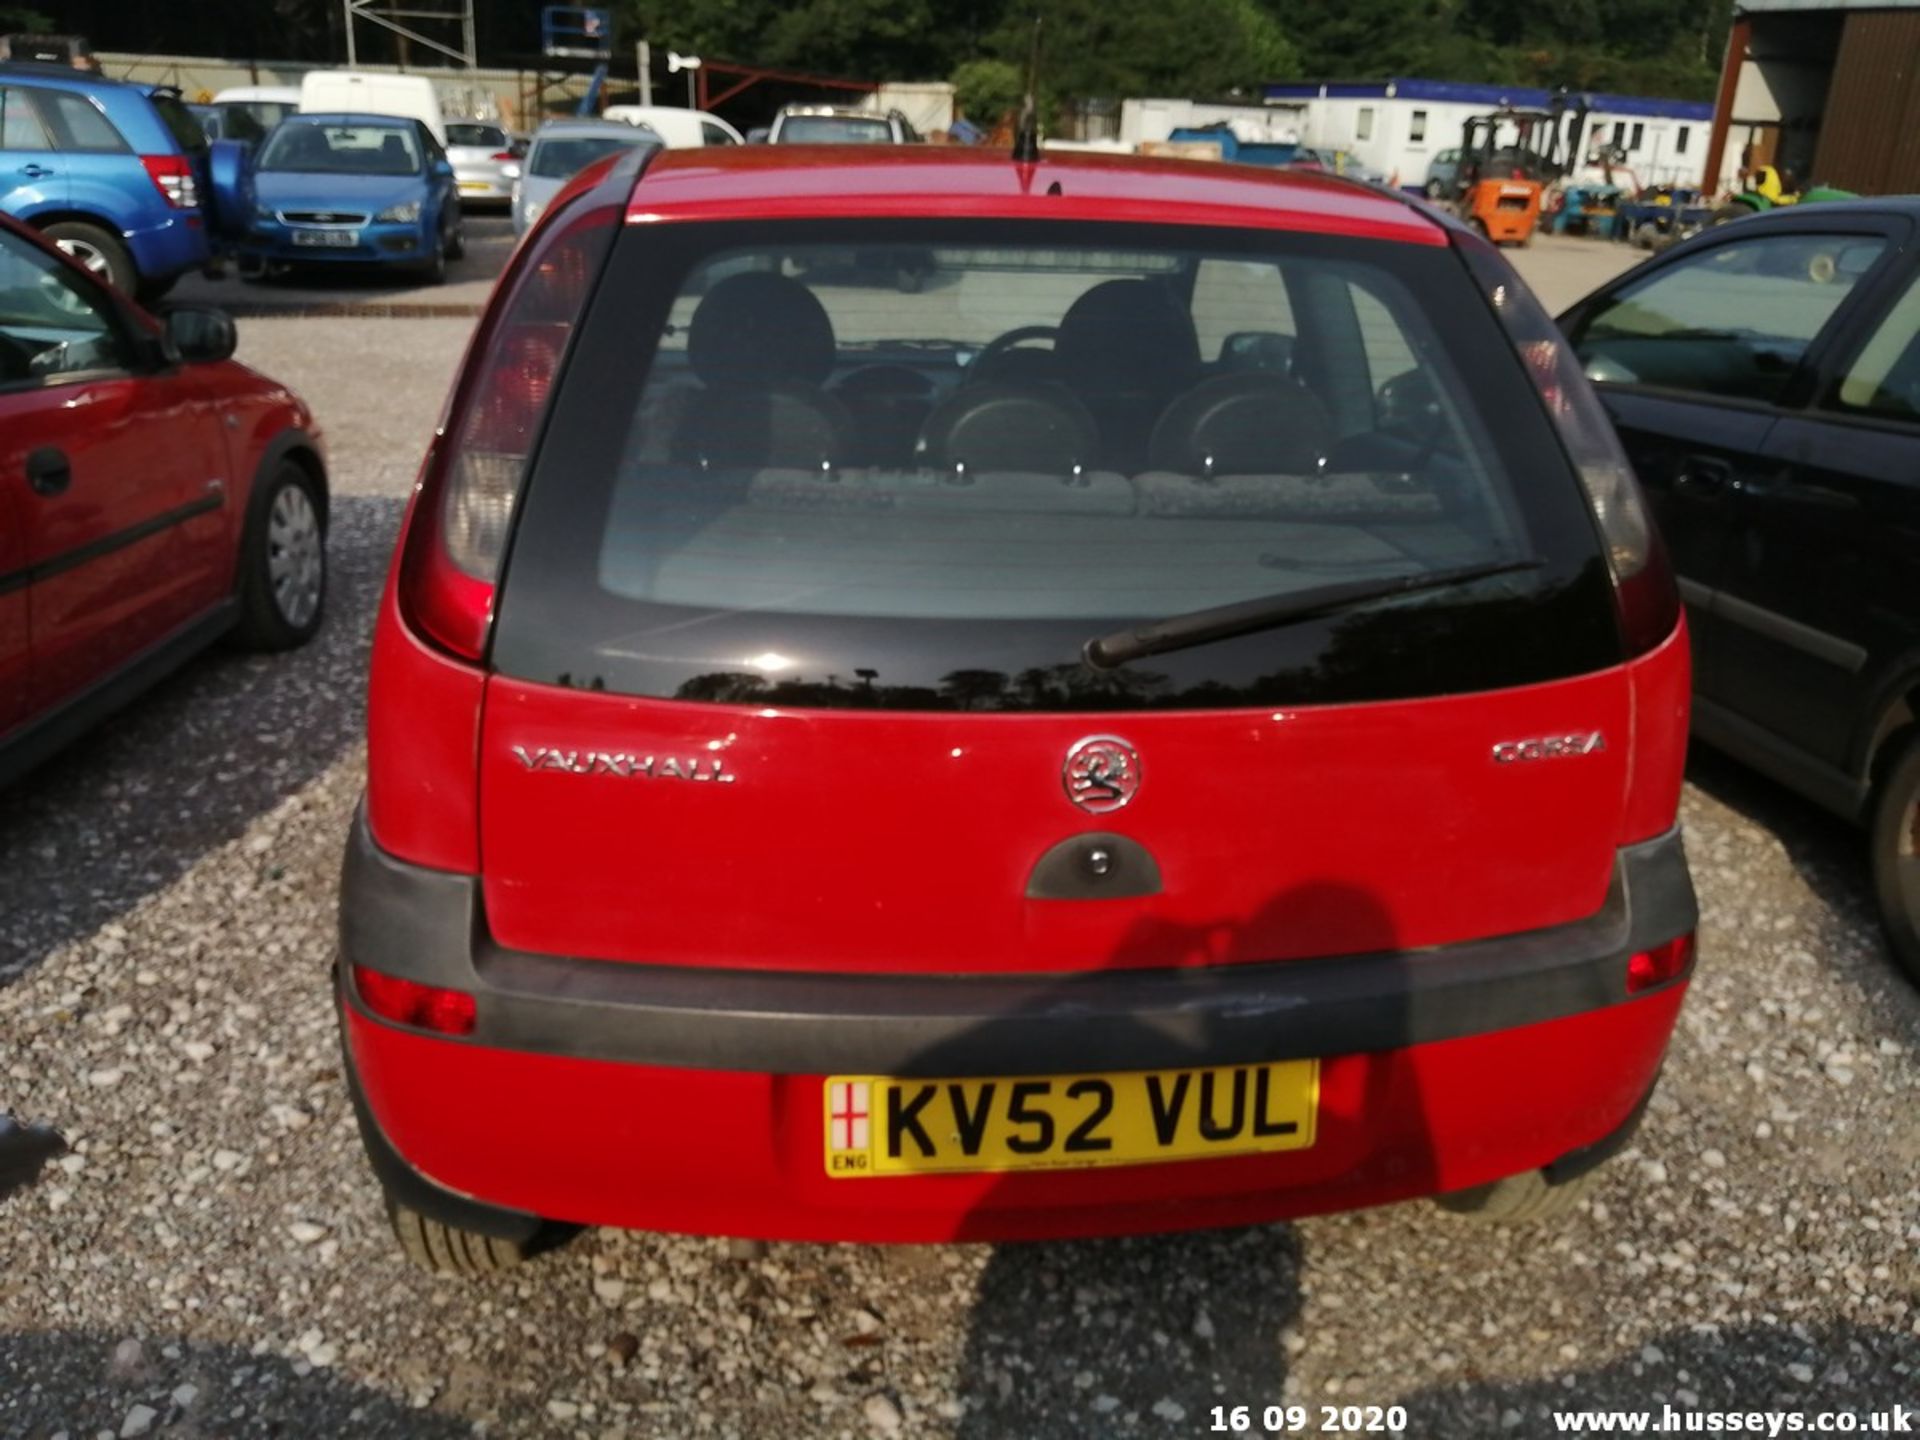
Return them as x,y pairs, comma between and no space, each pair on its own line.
1826,90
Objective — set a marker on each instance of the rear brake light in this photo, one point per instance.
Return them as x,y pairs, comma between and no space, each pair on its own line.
1660,964
1645,594
459,531
172,176
503,155
408,1002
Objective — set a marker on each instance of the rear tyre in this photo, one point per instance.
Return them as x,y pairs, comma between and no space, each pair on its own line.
1896,857
448,1249
1519,1199
283,561
97,249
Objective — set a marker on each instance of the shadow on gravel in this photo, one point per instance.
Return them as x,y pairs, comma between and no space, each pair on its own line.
1755,1368
126,809
85,1384
1088,1337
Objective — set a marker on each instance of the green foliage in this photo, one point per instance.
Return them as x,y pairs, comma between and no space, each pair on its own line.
1207,48
1653,47
987,91
16,21
1117,48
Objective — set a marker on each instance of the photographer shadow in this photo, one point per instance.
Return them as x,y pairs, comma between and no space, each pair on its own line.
1149,1332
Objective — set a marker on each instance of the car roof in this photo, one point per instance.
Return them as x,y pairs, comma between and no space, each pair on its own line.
1905,206
910,181
589,127
354,117
65,76
851,112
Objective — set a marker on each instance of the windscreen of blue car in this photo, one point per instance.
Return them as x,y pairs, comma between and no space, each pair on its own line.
310,148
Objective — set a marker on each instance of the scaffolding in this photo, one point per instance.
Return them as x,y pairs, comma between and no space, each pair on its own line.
389,15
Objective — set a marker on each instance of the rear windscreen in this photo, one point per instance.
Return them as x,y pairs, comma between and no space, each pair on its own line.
181,124
920,465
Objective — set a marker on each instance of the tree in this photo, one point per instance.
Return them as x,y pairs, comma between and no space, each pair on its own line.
1117,48
987,91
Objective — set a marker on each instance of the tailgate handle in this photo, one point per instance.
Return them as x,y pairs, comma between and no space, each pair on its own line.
1094,867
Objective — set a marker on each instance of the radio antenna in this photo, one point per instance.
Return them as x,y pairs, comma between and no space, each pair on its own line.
1026,132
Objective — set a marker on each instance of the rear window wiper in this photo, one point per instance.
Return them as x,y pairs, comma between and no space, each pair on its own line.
1246,617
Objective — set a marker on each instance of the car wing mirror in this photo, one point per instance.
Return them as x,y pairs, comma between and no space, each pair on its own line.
197,335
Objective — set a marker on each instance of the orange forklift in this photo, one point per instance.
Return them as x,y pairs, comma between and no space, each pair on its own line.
1507,159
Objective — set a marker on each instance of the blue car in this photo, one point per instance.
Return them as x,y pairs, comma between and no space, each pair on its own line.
353,190
114,174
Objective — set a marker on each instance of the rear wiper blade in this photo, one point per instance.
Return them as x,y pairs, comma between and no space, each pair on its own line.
1246,617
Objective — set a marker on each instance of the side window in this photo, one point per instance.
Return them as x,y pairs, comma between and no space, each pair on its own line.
1733,320
1242,314
1417,127
712,134
1363,127
1884,378
1388,352
77,125
52,323
20,127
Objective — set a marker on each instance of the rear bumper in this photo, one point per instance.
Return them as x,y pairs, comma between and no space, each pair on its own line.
671,1099
174,245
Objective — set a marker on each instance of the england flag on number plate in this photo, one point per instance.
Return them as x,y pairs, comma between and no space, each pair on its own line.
848,1115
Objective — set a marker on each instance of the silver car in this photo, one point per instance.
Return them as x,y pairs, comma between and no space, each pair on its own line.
482,155
561,149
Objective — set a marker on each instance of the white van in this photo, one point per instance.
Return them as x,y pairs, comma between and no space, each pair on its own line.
365,92
678,127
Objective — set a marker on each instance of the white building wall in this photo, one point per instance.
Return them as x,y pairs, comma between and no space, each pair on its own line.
1380,131
1156,119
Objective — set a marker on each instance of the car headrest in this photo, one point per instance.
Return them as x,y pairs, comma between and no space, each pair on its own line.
1003,427
760,329
1126,336
1251,422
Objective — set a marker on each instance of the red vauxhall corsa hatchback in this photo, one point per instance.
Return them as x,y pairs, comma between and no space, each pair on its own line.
1175,719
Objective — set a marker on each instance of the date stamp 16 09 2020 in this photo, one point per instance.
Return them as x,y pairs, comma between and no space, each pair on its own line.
1308,1420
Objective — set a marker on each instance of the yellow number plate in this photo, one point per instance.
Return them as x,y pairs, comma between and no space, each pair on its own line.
877,1125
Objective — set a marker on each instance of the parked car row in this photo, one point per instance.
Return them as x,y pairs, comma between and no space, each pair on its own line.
740,573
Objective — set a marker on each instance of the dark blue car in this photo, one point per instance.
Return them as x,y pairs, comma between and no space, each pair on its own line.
115,174
353,189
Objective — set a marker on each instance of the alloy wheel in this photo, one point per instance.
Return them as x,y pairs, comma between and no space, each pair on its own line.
295,559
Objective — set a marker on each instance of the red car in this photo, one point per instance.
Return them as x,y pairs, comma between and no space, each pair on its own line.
1176,721
155,495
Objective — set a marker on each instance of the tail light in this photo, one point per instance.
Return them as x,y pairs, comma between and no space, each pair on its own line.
503,155
1660,964
172,176
408,1002
458,534
1645,594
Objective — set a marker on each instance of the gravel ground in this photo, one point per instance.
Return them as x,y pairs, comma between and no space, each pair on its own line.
211,1259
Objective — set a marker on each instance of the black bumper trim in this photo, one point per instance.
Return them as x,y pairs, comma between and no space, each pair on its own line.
428,926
